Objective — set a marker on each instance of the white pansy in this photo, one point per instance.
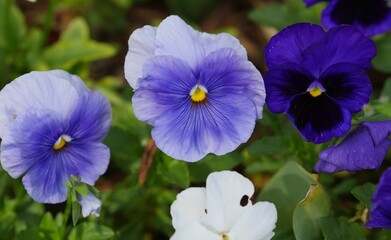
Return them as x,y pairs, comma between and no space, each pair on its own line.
222,211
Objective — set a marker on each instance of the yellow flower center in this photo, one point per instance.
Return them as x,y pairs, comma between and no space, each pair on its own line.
198,93
225,237
61,142
315,92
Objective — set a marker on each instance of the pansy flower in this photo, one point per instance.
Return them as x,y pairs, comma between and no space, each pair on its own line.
380,214
52,127
90,204
318,78
197,90
365,147
370,16
222,211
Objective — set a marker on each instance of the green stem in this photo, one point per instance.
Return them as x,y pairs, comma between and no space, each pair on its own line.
66,215
49,19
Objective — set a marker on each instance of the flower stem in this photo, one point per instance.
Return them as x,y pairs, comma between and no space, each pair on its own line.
66,215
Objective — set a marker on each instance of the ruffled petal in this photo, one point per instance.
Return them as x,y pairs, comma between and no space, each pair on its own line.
334,48
30,141
90,204
53,90
371,17
378,130
318,119
235,76
214,42
283,83
195,231
91,118
381,203
289,44
189,207
356,152
142,44
166,85
347,84
228,197
256,223
177,39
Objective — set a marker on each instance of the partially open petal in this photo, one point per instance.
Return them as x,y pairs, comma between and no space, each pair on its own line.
378,130
381,203
334,48
289,44
256,223
356,152
90,204
228,197
189,207
142,44
53,90
283,83
347,84
318,119
195,231
91,118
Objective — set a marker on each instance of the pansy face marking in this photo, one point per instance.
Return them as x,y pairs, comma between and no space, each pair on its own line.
61,142
198,93
318,78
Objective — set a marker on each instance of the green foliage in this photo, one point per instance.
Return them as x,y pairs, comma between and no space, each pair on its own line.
364,193
174,171
192,10
307,215
91,231
340,228
382,60
281,15
286,189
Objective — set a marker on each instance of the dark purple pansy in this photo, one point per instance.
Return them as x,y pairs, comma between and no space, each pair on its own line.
380,215
370,16
363,148
318,78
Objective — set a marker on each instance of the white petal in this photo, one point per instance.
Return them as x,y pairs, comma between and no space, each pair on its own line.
52,90
195,232
256,223
90,204
213,42
189,207
141,47
225,191
175,38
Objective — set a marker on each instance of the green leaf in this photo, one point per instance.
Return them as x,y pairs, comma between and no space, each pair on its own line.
382,61
334,229
308,212
286,189
266,145
76,30
280,15
174,171
364,193
75,212
48,228
190,9
91,231
12,26
384,109
75,47
82,189
200,170
386,92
